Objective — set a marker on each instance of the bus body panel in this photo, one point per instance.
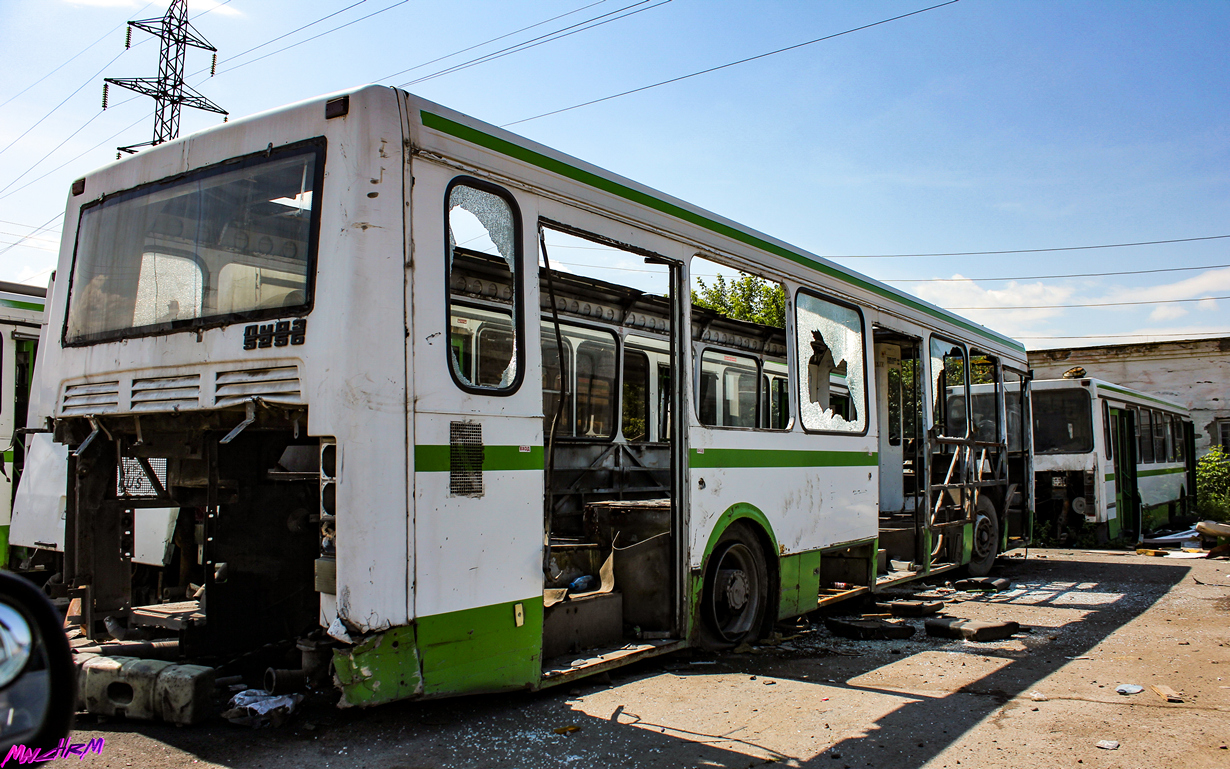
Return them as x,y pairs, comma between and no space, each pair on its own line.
440,484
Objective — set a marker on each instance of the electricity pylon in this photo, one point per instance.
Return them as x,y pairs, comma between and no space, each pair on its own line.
168,89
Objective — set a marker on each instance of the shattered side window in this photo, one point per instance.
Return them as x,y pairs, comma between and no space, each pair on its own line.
831,376
483,261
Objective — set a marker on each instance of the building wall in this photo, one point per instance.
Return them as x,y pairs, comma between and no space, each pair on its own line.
1195,373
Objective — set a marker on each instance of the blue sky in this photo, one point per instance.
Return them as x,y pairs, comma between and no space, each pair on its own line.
985,125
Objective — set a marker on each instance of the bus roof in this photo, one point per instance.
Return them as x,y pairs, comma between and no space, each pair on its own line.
453,127
21,303
1110,390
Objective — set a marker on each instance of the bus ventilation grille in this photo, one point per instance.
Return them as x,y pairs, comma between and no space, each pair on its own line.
465,458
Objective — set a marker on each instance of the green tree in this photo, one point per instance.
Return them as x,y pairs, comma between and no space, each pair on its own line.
748,297
1213,485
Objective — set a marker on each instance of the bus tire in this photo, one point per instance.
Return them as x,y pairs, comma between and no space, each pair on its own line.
986,538
735,596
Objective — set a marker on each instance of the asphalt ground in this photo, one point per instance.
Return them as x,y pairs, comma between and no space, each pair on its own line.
1044,697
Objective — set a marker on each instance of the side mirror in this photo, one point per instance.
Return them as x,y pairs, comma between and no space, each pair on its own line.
38,682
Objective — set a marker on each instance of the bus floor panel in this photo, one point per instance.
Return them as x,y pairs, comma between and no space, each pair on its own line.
569,666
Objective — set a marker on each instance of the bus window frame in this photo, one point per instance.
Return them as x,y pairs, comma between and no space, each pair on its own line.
965,378
518,292
757,372
799,361
572,347
317,145
648,402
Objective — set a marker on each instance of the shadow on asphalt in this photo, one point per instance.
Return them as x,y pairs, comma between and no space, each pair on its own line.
515,729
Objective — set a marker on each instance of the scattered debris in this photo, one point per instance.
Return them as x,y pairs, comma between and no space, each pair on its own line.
868,629
569,729
1166,693
1108,745
1179,538
983,584
1038,697
1129,689
1209,584
1150,551
970,630
257,707
911,608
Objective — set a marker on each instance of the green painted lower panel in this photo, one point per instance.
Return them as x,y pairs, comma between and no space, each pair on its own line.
4,546
759,458
482,650
462,652
1113,528
1160,471
379,669
967,543
800,581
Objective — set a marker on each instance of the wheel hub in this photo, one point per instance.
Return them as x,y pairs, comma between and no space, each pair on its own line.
737,588
982,536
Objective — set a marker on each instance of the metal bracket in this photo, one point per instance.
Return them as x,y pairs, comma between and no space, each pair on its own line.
98,428
233,434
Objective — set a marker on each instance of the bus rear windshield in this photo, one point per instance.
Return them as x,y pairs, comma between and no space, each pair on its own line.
234,241
1063,422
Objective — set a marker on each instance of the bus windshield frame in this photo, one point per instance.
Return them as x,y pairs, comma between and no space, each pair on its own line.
232,242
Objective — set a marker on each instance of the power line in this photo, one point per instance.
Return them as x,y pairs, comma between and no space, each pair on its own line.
27,245
72,58
37,231
75,158
66,98
1091,304
558,34
30,237
280,37
730,64
1055,277
1030,250
314,37
52,151
492,40
19,224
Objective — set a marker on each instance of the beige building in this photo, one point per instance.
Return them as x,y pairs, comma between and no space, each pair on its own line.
1195,372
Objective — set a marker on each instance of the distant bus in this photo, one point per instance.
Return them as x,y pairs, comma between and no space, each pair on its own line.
21,316
395,427
1108,459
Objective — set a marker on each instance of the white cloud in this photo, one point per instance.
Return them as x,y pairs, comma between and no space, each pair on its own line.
962,292
1167,312
1205,284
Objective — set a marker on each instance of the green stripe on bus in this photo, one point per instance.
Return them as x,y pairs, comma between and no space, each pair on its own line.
435,459
1110,476
16,305
1142,396
524,154
1161,471
780,458
8,456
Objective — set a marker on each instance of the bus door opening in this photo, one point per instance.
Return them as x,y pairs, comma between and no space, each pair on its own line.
902,505
611,568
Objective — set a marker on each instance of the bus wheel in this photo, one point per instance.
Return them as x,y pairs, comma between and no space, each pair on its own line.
736,590
986,538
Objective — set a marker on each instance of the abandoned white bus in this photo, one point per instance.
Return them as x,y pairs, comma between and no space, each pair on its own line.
1107,456
21,316
331,338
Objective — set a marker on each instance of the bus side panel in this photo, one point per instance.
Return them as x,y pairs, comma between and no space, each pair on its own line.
356,387
478,552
